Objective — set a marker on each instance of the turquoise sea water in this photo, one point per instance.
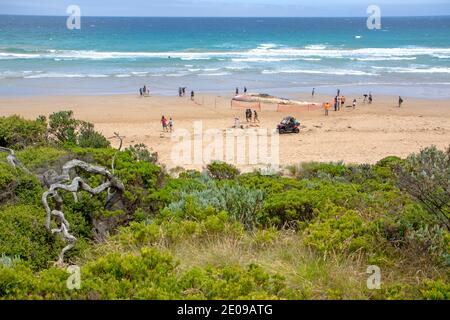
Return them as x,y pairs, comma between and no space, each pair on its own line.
408,56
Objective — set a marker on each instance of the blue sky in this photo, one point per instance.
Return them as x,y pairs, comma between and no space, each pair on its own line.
301,8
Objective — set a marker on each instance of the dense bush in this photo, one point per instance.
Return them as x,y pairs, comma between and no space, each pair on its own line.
319,228
241,203
64,129
18,186
336,230
142,153
43,158
17,133
150,274
89,138
319,170
23,235
297,205
426,176
222,171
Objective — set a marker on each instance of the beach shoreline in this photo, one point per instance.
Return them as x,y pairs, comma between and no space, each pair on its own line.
364,135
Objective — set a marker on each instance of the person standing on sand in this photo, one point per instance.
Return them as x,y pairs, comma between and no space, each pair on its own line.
248,115
354,104
237,123
171,124
192,95
343,101
255,116
400,101
370,98
336,101
326,106
164,123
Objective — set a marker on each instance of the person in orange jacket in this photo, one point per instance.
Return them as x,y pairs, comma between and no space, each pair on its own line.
327,107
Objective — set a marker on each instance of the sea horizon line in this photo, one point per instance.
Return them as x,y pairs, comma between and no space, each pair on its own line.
230,17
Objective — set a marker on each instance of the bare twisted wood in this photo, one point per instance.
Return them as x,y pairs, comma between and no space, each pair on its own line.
76,184
12,159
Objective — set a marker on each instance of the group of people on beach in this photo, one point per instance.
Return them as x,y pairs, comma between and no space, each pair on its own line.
339,101
237,90
368,97
182,92
251,116
144,91
167,125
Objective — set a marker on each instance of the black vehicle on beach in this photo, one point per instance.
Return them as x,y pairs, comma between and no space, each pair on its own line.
289,125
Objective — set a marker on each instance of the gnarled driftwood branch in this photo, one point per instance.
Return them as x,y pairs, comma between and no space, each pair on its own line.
73,186
12,159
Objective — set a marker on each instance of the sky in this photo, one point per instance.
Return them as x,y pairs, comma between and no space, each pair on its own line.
227,8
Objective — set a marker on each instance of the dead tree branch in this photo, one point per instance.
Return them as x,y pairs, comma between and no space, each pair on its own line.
12,159
75,185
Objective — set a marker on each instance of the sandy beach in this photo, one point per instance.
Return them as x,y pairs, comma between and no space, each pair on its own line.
364,135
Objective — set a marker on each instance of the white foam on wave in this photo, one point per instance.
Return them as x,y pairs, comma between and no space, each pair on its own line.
441,56
263,53
325,72
214,74
316,47
413,70
54,75
384,59
262,59
235,68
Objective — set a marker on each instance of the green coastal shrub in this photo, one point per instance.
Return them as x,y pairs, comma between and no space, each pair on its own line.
356,214
231,282
297,205
240,203
42,158
222,171
142,153
18,186
149,274
436,289
7,176
431,243
64,129
89,138
17,133
23,235
306,170
141,179
426,177
337,230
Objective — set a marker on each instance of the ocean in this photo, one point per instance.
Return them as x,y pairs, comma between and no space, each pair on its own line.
408,56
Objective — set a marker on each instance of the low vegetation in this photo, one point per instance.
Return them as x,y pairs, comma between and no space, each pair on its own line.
221,234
